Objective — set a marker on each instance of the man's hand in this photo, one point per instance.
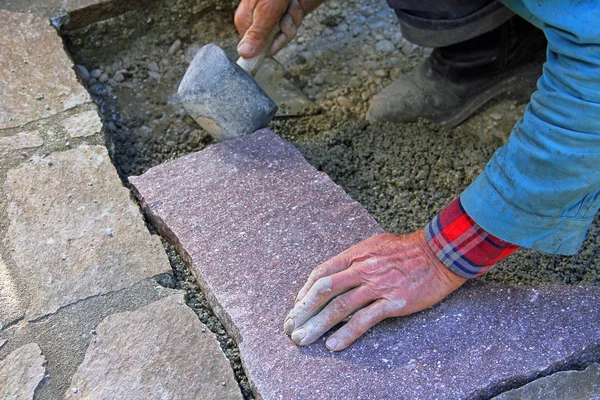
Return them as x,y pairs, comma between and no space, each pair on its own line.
255,19
385,276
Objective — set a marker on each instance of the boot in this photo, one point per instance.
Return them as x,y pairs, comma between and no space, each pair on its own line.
455,81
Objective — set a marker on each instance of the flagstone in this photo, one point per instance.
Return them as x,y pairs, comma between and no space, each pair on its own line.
253,218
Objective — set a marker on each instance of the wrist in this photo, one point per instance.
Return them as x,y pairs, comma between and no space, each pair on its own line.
460,244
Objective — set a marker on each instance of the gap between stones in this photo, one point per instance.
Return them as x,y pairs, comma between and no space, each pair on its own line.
182,278
576,362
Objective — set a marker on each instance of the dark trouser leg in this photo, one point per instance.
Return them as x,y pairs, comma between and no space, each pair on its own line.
432,23
498,53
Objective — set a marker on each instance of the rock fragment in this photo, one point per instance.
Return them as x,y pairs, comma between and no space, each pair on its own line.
57,238
158,351
24,72
385,46
83,124
21,372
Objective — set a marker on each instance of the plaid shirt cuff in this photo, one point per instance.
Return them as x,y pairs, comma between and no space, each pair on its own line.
462,245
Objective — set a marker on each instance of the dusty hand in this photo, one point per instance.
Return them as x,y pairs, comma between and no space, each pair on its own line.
385,276
254,20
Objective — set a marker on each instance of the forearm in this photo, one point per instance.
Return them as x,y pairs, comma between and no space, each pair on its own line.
542,188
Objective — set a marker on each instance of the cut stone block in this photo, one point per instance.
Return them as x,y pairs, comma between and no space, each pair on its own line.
74,231
572,385
21,372
37,79
84,124
159,351
22,140
9,298
253,219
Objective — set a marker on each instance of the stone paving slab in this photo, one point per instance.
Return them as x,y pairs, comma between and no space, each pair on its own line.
159,351
72,14
37,79
22,140
21,372
253,219
74,231
571,385
9,298
83,124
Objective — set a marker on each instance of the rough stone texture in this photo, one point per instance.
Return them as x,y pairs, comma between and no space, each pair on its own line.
37,79
572,385
74,231
2,342
253,218
9,298
22,140
222,97
156,352
84,124
65,335
21,372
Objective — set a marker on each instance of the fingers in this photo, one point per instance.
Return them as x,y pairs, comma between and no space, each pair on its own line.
243,16
264,17
318,296
335,312
288,32
361,322
336,264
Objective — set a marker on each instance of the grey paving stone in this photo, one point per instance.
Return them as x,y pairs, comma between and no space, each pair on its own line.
74,231
571,385
83,124
156,352
37,79
72,14
21,372
253,219
9,298
22,140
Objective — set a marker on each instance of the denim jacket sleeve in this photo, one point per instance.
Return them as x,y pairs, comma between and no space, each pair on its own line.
542,188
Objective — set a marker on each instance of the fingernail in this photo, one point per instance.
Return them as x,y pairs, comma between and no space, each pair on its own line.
288,326
244,48
298,335
331,344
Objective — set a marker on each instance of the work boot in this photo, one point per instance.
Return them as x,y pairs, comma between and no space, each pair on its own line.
455,81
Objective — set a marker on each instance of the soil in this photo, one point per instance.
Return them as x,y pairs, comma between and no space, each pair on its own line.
403,174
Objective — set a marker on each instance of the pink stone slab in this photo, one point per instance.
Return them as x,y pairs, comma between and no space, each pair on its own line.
253,219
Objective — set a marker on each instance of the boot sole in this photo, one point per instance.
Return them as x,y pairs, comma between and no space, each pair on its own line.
523,80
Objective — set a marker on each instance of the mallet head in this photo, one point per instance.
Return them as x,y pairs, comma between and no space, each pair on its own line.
222,97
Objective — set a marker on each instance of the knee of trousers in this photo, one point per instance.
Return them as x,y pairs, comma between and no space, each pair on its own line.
431,27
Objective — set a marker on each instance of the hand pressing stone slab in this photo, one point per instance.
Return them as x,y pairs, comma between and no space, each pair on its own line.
74,231
160,351
21,372
253,219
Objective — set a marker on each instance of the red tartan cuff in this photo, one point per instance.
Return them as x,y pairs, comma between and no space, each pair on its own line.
462,245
